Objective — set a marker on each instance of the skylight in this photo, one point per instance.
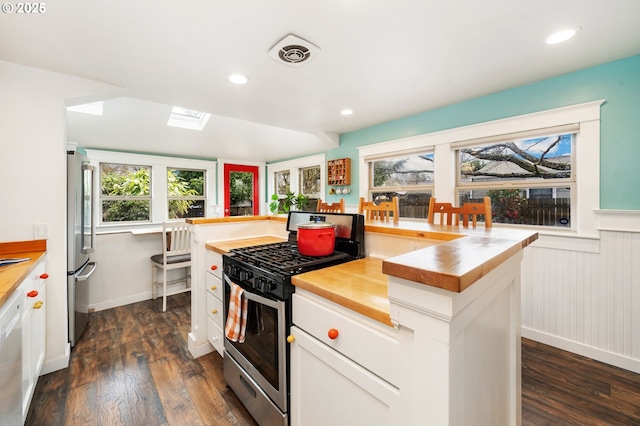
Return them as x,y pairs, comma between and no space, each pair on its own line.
188,118
94,108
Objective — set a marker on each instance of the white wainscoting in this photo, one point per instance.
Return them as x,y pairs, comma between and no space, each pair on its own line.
585,302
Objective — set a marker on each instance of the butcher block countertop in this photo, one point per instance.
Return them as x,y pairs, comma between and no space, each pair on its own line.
358,285
224,247
12,275
460,257
456,263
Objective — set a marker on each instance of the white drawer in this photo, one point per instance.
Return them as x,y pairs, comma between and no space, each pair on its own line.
364,343
214,286
214,263
214,309
214,335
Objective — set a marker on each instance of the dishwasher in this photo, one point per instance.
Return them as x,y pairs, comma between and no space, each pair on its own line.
11,360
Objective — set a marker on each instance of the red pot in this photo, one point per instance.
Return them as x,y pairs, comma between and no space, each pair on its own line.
316,238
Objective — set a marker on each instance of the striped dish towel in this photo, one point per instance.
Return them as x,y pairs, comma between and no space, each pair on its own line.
237,316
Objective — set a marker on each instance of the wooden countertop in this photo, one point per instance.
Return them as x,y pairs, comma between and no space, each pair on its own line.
463,256
227,219
456,264
12,275
358,285
224,247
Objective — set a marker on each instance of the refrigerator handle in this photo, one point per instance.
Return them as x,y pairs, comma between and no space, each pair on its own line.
85,276
88,202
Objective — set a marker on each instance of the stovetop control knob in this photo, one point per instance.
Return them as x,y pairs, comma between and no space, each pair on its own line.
245,275
265,285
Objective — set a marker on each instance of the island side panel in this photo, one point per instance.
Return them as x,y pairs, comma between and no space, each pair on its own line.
206,231
460,351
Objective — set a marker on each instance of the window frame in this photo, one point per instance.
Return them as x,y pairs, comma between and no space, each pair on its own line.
525,184
102,197
160,165
423,188
300,180
202,197
586,157
294,167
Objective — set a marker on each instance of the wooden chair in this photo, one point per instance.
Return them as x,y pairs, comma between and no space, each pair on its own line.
472,210
330,207
176,254
450,215
381,211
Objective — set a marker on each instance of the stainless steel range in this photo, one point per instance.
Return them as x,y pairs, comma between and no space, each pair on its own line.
258,368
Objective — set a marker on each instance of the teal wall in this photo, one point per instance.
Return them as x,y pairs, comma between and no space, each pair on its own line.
616,82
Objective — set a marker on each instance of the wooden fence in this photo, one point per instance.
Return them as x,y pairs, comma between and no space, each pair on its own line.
534,211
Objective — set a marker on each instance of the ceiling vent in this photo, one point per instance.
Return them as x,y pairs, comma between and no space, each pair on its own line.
294,51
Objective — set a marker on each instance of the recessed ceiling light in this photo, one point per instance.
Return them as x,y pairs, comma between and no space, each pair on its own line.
346,111
238,79
563,35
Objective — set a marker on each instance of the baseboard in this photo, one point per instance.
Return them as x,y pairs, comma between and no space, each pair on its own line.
49,366
601,355
199,350
114,303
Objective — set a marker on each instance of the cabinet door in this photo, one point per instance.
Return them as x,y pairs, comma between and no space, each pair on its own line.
215,312
328,388
33,332
38,331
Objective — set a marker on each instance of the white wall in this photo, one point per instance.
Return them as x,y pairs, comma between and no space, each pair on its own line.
33,176
585,298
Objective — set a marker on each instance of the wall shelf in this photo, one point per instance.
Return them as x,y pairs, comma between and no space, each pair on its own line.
339,171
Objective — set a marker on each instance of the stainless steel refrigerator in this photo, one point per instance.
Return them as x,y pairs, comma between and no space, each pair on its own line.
81,238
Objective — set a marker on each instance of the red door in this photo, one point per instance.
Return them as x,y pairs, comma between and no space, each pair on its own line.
241,192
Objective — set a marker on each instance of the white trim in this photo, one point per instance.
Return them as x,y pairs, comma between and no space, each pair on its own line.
618,220
567,242
51,365
587,154
200,350
219,208
159,165
582,349
294,167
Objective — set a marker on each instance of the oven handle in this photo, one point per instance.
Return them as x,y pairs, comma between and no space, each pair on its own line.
276,304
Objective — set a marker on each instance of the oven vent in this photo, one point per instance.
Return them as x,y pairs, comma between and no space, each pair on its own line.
294,51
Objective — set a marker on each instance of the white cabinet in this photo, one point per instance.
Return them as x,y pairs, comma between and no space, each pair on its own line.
342,379
214,286
33,331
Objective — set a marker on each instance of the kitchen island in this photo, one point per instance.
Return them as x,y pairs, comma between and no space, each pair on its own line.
430,329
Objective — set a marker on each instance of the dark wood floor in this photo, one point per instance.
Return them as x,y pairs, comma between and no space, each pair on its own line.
132,367
562,388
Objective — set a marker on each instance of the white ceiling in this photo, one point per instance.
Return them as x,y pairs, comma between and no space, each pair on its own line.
384,59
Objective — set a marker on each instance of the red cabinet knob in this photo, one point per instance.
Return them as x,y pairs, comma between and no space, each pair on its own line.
44,276
32,293
333,333
214,267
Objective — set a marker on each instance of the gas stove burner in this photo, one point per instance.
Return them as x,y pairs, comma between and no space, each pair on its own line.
283,257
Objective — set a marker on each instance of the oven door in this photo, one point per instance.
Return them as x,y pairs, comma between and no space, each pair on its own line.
263,353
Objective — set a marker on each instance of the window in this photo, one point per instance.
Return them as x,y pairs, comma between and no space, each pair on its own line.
543,166
125,194
282,182
138,190
410,177
186,193
310,185
188,118
529,181
296,183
